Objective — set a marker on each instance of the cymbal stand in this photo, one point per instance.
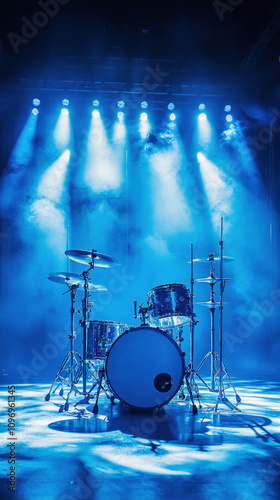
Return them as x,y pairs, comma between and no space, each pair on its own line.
193,322
222,370
72,359
214,360
85,324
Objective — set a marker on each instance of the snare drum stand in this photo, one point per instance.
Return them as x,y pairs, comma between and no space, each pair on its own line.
72,359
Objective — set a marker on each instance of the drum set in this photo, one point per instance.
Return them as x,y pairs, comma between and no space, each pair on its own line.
143,367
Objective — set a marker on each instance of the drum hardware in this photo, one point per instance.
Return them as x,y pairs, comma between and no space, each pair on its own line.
218,370
72,362
142,313
80,366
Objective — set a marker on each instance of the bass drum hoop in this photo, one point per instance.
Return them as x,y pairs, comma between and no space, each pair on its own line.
165,334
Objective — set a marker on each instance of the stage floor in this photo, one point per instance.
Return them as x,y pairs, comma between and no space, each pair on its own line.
122,455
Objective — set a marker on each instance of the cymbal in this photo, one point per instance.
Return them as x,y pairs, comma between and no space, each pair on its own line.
87,257
212,304
71,279
205,260
210,279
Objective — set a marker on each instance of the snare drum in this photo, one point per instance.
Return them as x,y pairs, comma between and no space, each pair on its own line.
101,335
169,305
145,367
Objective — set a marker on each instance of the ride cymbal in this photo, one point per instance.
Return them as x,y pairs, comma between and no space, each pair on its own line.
88,257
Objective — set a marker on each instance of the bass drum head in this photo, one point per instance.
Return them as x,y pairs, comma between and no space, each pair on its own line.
145,367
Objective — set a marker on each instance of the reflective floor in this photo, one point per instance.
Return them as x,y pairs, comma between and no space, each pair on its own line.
124,454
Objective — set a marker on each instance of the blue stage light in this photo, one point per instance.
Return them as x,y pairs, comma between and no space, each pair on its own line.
35,111
121,104
202,117
64,112
172,117
95,103
36,102
120,115
229,118
144,104
227,108
201,107
95,113
65,102
144,117
171,106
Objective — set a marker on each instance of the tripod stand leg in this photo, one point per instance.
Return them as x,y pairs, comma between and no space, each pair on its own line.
101,375
194,408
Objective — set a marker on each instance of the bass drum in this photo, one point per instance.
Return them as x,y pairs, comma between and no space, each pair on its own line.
145,367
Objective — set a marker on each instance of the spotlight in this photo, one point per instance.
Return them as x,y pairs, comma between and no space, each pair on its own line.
144,117
95,113
201,107
172,117
35,111
65,102
95,103
202,117
144,104
227,108
64,112
200,156
120,115
36,102
120,104
171,106
229,118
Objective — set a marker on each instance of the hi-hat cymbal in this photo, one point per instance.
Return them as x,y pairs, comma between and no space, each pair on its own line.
206,260
71,279
88,257
210,279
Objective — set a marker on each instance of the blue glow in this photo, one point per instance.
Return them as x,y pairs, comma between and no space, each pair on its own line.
36,102
229,118
120,115
144,126
201,107
65,102
144,104
102,170
52,182
35,111
172,117
202,117
218,189
228,108
121,104
204,131
171,106
45,212
95,103
62,130
171,212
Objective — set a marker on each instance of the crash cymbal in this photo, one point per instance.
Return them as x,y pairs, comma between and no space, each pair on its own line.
212,304
206,260
88,257
210,279
71,279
